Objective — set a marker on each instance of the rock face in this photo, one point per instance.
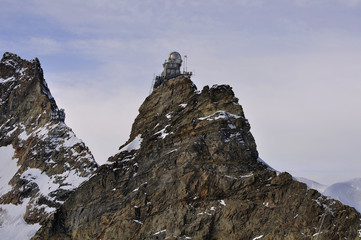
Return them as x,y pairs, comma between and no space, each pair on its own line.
42,160
190,170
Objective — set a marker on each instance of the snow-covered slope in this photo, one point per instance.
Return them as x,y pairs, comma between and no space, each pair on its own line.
348,192
42,160
41,189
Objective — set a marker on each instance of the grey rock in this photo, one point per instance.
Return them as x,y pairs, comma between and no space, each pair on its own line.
190,170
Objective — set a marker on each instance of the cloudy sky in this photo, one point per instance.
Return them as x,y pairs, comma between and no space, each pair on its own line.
293,64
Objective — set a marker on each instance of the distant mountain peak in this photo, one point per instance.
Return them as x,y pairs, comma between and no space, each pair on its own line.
348,192
44,159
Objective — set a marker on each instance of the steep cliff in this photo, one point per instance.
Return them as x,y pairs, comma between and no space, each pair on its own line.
42,160
190,170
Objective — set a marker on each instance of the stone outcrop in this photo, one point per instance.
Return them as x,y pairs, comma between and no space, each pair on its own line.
190,170
42,160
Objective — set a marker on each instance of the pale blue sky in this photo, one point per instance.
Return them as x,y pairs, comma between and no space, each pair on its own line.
294,65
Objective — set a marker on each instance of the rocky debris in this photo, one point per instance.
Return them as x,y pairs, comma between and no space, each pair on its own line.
190,170
42,160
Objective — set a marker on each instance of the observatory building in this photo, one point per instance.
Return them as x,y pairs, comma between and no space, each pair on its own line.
171,69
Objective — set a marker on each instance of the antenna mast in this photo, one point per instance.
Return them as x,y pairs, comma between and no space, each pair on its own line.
183,67
185,58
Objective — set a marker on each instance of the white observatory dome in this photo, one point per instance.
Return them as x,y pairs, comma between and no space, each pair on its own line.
175,56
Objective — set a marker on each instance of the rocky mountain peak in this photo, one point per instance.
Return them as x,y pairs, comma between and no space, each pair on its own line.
177,116
25,95
43,161
190,170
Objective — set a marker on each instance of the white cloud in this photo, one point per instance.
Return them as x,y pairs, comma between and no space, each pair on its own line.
294,68
351,3
308,3
44,46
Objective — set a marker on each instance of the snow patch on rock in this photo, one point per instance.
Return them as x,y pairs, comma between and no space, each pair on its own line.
219,115
133,145
9,79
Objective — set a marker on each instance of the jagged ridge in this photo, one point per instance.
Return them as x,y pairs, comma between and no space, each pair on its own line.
190,169
44,159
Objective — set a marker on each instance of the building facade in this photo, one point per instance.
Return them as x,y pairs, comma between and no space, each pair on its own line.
171,69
